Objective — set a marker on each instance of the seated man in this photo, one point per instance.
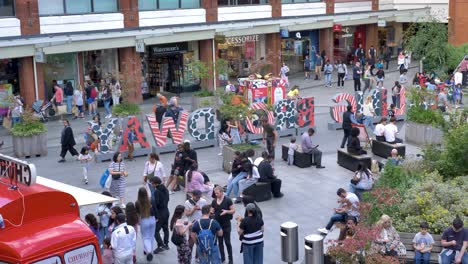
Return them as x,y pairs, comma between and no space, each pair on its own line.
354,146
455,243
390,132
254,176
394,159
309,148
379,129
349,206
266,175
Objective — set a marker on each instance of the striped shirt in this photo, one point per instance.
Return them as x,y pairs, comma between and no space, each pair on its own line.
117,166
252,227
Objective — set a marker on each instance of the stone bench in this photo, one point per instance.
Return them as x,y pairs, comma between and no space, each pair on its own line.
407,240
384,149
260,191
301,160
351,162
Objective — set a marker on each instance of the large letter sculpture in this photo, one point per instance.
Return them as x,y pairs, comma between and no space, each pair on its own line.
285,112
377,98
168,125
209,114
104,133
140,135
306,112
336,111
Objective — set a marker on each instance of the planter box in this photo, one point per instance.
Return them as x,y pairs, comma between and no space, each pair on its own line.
30,146
208,101
228,156
422,134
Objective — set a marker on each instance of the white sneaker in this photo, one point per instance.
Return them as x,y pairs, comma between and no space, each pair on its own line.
323,230
220,154
171,192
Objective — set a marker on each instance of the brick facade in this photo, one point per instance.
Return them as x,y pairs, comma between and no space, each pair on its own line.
129,9
458,19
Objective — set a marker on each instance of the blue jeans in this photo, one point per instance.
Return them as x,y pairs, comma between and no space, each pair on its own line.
234,185
336,218
214,258
103,234
69,99
422,257
451,258
368,122
253,254
328,79
236,139
15,120
107,107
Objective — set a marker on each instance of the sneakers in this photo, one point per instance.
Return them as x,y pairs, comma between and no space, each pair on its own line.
165,247
108,116
171,192
85,181
61,161
220,154
320,167
158,250
149,257
323,230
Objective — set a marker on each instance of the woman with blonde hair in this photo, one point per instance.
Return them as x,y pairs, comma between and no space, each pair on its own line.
368,113
388,241
147,222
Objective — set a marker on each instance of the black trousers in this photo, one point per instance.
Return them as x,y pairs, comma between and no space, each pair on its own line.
346,135
227,240
66,148
357,85
341,79
387,62
162,223
270,147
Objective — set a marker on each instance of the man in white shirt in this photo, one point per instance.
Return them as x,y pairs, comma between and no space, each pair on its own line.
390,132
458,77
380,129
194,205
349,206
123,241
247,182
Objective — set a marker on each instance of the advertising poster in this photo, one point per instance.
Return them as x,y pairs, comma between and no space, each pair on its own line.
5,93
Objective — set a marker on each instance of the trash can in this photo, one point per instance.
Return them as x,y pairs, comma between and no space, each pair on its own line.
289,242
313,249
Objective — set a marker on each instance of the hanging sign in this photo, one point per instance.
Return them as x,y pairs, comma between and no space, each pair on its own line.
381,23
337,28
140,47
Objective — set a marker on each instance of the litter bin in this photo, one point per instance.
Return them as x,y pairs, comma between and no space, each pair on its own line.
289,242
313,249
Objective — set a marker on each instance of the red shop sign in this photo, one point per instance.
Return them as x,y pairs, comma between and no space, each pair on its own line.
337,28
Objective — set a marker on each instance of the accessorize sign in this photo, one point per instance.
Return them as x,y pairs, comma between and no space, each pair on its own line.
238,41
17,171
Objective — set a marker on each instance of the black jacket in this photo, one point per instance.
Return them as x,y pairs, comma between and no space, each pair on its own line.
347,120
236,167
67,137
160,201
354,146
266,172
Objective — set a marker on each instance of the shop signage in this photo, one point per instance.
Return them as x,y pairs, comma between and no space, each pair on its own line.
284,32
382,23
17,170
337,28
238,41
170,48
40,57
346,35
140,46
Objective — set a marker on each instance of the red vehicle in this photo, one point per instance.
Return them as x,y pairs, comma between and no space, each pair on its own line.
42,225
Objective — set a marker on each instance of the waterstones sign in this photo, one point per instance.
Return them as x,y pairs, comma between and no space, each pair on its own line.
170,48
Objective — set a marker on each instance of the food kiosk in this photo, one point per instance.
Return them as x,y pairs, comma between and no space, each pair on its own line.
268,91
40,224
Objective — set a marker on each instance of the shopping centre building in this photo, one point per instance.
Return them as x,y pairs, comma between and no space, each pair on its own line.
70,40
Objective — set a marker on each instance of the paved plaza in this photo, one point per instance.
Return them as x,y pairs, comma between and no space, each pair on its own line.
310,193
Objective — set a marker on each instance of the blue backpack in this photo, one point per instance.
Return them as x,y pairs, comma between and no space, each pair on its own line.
206,239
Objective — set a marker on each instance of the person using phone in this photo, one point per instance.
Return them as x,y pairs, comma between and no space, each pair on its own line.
309,148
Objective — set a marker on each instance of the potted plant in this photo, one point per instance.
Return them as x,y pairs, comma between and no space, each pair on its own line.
29,137
229,150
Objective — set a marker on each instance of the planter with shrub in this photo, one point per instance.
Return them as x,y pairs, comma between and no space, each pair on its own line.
228,153
205,98
29,137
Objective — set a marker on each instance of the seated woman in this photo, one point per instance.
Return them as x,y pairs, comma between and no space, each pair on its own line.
349,229
233,184
224,138
362,180
354,145
388,241
196,181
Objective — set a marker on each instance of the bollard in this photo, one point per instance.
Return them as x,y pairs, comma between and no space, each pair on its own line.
313,249
289,242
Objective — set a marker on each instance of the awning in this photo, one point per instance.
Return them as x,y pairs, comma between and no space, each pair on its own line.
82,196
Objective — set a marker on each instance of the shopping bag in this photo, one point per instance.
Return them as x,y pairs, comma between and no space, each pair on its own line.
62,109
75,110
7,123
104,177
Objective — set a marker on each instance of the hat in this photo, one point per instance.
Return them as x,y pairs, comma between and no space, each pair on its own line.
250,207
186,141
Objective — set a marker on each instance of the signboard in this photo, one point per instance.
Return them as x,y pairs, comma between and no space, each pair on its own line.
381,23
83,255
239,41
337,28
17,171
284,32
40,56
140,46
170,48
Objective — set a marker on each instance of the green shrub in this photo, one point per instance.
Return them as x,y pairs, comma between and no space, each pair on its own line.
30,126
425,116
126,109
204,93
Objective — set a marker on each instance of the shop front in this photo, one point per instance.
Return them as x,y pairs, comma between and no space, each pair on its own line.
166,67
346,39
62,68
100,64
387,37
9,83
295,46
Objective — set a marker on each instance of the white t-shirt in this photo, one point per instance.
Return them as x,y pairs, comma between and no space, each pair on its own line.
379,130
458,77
354,210
368,109
78,97
197,214
390,131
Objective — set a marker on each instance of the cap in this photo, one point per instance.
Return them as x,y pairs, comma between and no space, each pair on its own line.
186,141
250,207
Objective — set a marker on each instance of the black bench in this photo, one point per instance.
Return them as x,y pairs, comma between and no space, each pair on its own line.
407,240
384,149
260,191
351,162
301,160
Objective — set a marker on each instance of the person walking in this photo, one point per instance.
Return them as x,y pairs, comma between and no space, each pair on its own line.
328,70
147,222
58,96
388,57
367,79
118,172
284,73
160,202
78,101
68,92
250,230
318,66
342,72
91,97
205,231
116,91
106,96
130,141
180,228
85,159
357,76
223,210
67,141
307,63
123,241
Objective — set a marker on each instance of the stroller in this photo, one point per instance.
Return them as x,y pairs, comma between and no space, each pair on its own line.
43,111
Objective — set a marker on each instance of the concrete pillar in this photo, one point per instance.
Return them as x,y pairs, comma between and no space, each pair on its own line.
329,6
458,18
375,5
129,8
372,37
27,11
206,56
326,42
130,69
211,9
273,50
275,8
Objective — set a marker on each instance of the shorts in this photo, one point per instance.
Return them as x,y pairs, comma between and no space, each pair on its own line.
90,100
306,69
80,108
318,68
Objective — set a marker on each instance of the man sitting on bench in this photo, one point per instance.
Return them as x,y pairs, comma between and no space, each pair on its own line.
394,159
309,148
349,206
380,129
266,175
390,132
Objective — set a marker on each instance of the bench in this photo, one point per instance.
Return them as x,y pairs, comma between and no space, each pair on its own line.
301,160
384,149
407,240
260,191
351,162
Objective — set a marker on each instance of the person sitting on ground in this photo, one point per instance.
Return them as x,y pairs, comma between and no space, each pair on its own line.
422,244
293,94
196,181
390,132
308,148
394,159
363,180
349,205
379,129
265,171
349,230
455,243
388,241
354,146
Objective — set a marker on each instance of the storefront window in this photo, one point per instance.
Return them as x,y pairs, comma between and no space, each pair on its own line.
62,68
298,1
167,4
295,46
346,41
7,8
190,3
51,7
9,83
100,64
58,7
105,6
241,2
78,7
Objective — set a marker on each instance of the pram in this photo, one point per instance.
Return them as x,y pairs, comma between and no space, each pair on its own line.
40,110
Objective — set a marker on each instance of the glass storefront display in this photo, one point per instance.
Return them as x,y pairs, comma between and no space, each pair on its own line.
60,67
100,64
59,7
345,42
9,83
295,46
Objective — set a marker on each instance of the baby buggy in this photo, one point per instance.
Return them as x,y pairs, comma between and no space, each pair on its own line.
43,111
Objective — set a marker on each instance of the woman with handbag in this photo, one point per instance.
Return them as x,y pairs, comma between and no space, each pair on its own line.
180,227
147,218
118,172
153,167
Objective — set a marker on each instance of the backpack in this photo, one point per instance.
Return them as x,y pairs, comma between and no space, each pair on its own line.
93,93
206,239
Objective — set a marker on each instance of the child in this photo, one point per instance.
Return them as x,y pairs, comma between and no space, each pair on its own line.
93,224
458,94
292,147
422,244
104,212
107,257
85,159
391,111
130,140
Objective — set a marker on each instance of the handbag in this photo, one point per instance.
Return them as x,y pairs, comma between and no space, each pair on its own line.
116,176
7,123
177,239
62,109
104,177
287,74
